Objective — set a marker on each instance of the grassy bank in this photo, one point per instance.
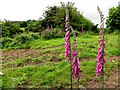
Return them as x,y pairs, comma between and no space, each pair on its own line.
43,64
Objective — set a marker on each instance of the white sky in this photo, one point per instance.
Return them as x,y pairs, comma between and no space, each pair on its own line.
20,10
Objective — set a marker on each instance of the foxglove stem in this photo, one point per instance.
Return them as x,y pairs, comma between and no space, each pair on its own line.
67,35
101,52
75,60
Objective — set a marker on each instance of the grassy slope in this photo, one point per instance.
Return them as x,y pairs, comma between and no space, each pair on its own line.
56,73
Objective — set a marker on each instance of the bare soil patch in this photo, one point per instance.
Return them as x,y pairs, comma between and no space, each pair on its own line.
110,82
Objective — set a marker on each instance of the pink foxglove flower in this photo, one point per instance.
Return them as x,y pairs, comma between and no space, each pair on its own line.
75,59
75,63
76,67
100,58
67,46
74,54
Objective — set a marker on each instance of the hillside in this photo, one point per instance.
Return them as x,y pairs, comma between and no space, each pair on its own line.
44,65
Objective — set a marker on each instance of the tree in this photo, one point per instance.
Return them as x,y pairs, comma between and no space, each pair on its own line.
113,19
55,15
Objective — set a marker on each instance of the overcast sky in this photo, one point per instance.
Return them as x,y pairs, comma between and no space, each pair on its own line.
19,10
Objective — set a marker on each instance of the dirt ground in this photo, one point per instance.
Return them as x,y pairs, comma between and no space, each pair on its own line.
111,82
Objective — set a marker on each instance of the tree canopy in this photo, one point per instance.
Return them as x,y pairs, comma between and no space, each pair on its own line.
54,16
113,19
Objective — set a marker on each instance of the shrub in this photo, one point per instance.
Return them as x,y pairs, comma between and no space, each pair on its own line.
10,29
24,37
33,26
19,41
6,42
55,33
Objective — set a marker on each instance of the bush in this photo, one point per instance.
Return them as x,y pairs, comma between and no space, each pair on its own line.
20,41
6,41
10,29
55,33
24,37
33,26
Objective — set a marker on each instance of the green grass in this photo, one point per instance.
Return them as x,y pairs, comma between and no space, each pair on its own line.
41,43
90,42
49,75
87,45
55,73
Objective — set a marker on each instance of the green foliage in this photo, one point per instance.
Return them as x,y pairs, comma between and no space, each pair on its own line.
85,40
42,43
95,29
24,37
113,20
20,40
10,29
23,24
5,41
54,16
26,73
55,33
33,26
55,75
50,19
112,45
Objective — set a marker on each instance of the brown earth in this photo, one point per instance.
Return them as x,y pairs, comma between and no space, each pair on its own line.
112,80
12,55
